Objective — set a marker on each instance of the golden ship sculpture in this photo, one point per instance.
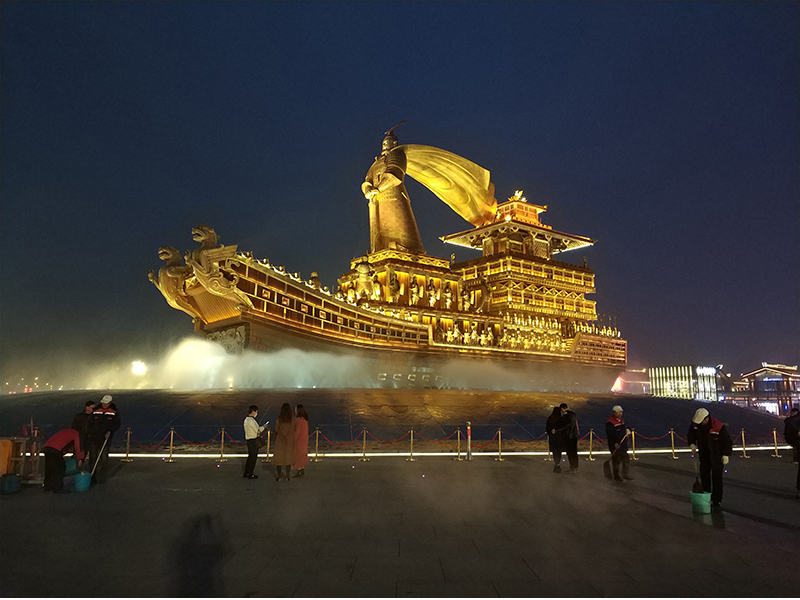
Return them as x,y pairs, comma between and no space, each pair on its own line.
514,318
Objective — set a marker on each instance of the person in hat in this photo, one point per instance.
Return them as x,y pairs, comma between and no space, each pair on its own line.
713,444
55,468
105,421
617,437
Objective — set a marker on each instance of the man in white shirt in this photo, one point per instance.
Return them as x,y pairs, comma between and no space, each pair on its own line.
251,431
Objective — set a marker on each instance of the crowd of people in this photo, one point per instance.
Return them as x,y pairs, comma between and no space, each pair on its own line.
290,451
89,439
90,436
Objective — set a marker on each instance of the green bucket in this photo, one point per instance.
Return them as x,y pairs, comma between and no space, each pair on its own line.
701,503
83,482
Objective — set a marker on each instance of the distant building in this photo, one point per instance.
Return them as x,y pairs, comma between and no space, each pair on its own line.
771,388
689,382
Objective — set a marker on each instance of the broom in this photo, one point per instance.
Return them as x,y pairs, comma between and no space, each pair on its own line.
607,464
99,454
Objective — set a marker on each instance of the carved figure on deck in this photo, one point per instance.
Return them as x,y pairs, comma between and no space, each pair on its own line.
414,290
394,289
433,293
170,280
364,283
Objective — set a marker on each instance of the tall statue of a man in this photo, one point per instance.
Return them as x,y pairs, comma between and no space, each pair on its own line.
391,220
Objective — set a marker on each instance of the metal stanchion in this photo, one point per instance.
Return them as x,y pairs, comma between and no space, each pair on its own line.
222,458
775,454
411,456
458,445
591,435
672,443
499,445
633,444
744,449
469,440
363,445
171,436
316,447
269,440
127,458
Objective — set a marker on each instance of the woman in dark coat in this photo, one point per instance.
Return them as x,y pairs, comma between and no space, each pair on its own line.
555,437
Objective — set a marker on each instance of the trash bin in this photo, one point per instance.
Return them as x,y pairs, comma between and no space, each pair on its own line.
701,503
9,483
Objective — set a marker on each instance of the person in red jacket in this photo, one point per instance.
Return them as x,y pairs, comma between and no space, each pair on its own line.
713,444
617,435
54,465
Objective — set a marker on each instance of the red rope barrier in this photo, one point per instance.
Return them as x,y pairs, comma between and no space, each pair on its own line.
228,435
141,445
429,440
680,438
341,445
486,444
197,443
584,435
405,435
599,438
650,438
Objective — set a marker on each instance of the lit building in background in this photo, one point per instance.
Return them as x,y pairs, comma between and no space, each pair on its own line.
771,388
687,382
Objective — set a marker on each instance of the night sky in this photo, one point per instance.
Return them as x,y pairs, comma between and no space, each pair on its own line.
666,131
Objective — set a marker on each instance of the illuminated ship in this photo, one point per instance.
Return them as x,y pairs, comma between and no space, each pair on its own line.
514,318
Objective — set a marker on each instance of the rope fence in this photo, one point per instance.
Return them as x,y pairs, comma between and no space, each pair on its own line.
452,446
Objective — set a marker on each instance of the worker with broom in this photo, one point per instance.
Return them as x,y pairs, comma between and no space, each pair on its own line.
105,421
617,436
709,438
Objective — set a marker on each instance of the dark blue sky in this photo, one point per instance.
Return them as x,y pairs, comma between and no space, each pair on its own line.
666,131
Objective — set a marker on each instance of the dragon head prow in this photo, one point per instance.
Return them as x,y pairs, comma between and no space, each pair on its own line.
169,254
205,235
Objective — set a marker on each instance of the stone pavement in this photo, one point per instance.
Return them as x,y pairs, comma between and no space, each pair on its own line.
388,527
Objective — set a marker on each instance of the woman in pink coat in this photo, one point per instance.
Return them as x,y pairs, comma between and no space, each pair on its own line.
300,441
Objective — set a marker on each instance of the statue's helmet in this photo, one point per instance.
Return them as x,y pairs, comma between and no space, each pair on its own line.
390,141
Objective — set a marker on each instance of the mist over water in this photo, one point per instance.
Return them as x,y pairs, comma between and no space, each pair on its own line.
197,364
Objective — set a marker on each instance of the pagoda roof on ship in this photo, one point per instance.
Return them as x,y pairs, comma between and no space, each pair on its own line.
518,216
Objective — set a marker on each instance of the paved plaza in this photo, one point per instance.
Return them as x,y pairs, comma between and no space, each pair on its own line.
431,528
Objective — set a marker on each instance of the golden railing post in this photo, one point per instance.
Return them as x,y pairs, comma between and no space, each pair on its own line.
744,449
127,458
171,437
458,445
411,456
469,440
316,446
672,443
499,445
269,440
222,458
591,435
363,445
633,444
775,442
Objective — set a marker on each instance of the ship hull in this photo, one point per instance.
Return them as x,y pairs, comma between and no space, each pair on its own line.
438,367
